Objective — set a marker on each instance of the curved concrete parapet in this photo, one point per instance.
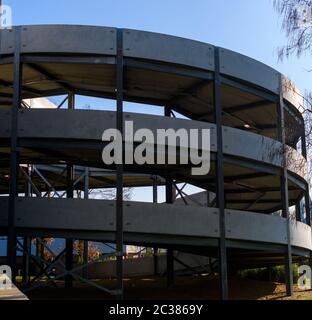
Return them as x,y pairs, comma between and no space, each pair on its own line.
149,46
90,125
61,39
149,222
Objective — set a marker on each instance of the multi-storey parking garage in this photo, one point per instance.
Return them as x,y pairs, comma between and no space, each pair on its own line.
258,153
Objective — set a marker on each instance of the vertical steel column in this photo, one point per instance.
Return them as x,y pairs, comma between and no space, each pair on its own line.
298,213
155,190
69,242
307,192
169,199
155,200
85,242
26,240
208,198
119,167
303,142
70,194
223,268
308,214
26,260
307,205
39,254
284,191
14,157
170,260
170,267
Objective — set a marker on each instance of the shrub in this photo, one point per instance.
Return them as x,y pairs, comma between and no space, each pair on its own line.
276,274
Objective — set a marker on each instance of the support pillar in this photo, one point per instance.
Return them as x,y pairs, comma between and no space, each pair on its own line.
223,268
26,240
69,242
39,255
14,156
120,169
307,191
284,192
298,213
155,249
170,190
85,242
170,267
307,205
26,260
70,194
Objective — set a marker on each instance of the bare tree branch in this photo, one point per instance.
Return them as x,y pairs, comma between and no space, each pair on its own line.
297,24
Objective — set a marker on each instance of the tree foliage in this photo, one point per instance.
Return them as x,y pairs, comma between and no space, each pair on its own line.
297,25
296,16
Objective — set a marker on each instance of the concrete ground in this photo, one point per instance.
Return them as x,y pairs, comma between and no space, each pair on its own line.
12,293
190,287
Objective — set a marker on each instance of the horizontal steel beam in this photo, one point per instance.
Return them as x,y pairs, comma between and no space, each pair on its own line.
181,71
